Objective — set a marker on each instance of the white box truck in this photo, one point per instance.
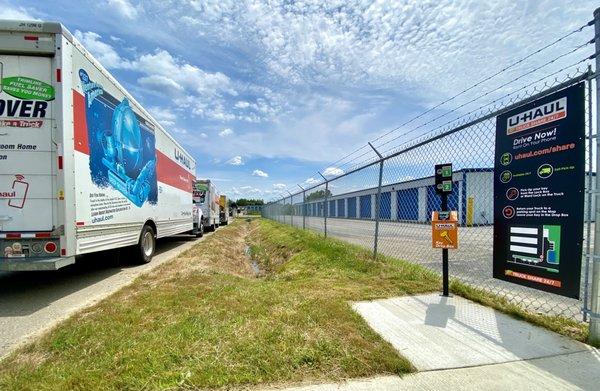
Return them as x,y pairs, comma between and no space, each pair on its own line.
206,196
83,167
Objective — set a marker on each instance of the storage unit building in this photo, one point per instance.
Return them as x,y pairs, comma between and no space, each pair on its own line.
414,200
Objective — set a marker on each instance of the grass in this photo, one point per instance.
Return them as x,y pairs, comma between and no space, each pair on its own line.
204,320
558,324
207,320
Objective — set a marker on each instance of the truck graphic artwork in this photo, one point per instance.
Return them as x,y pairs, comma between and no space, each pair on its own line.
536,246
122,148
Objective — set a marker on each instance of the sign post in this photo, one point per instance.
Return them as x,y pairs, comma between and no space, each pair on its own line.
443,230
539,173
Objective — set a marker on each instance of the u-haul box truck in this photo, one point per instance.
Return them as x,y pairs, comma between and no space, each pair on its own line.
83,167
207,198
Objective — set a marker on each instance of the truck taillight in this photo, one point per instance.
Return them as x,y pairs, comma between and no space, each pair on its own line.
50,247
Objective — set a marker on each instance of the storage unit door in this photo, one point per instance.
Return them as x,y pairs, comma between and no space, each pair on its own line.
385,206
408,204
341,210
365,207
352,207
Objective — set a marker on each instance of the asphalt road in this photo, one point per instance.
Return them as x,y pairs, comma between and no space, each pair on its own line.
471,263
33,302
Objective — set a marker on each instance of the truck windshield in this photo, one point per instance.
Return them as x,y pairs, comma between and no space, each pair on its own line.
199,197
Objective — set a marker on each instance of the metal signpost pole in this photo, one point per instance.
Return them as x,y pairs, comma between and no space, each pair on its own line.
377,203
595,294
443,186
325,206
445,253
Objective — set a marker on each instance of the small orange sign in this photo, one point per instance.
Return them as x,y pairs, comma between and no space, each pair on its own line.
444,229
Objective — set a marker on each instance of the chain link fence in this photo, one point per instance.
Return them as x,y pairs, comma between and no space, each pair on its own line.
383,194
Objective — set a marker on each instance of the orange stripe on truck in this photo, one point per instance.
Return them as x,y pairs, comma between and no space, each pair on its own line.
172,174
80,124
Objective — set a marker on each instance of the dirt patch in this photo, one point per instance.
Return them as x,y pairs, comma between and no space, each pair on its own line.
223,252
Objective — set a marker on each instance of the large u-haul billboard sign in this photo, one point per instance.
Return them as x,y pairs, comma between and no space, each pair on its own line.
539,175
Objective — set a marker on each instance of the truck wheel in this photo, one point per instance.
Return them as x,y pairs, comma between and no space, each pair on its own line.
200,231
146,247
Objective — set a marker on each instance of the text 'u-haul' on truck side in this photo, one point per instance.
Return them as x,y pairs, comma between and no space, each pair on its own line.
83,167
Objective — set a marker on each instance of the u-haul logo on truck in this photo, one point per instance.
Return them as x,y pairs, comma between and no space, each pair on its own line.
181,158
541,115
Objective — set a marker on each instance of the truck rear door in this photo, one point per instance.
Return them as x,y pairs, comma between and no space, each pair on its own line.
27,149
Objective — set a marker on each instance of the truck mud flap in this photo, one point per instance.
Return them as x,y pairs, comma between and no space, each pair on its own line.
16,264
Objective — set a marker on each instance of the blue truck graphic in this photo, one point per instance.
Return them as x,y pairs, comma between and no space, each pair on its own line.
122,146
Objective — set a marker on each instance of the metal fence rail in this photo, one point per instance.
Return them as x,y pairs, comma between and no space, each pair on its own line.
384,198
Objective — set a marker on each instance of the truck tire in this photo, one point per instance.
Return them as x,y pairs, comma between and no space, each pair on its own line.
199,231
144,251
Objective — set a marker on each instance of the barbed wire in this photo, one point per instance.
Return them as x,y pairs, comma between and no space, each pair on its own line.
490,92
349,166
482,81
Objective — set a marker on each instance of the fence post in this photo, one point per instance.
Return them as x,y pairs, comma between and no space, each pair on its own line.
303,207
291,209
595,305
325,206
377,201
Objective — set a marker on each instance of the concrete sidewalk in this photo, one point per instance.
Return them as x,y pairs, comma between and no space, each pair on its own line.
457,344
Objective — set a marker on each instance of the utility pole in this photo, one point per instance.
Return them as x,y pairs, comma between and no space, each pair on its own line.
595,304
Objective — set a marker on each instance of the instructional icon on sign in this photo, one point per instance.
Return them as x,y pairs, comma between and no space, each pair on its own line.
506,158
545,171
443,178
506,176
508,212
512,193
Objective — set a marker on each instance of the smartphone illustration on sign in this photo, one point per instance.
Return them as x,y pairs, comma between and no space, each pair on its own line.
20,189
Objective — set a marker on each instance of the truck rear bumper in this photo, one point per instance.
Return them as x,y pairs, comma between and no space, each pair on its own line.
33,264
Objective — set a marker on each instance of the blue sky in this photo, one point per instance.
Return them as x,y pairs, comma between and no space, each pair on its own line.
266,94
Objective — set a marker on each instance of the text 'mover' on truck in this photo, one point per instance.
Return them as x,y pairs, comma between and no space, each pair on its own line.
207,198
83,167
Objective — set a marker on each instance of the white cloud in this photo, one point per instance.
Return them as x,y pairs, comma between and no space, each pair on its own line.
163,115
124,8
260,173
311,181
161,83
102,51
203,135
8,11
245,191
236,161
225,132
188,86
242,104
279,186
332,171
